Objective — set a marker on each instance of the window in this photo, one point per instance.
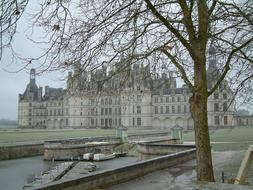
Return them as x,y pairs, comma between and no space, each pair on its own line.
216,107
184,98
173,109
225,96
161,109
185,109
102,111
106,111
119,121
215,96
102,122
173,99
167,109
116,111
102,101
106,101
139,98
167,99
216,120
161,99
110,111
92,122
178,99
110,101
156,110
225,120
116,121
138,109
225,106
133,121
67,122
81,113
138,121
178,109
156,99
92,111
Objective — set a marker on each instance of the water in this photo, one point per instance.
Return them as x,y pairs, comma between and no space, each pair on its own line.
14,174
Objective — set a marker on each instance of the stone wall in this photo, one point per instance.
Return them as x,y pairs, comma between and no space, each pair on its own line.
147,135
104,179
76,147
151,150
20,151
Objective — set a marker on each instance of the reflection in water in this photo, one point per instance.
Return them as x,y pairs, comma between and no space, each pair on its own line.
18,172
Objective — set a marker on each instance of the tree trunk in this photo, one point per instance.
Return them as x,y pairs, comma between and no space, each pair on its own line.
198,106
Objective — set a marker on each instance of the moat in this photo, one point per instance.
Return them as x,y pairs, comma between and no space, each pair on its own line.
23,170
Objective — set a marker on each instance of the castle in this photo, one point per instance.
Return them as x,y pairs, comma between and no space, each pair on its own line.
133,98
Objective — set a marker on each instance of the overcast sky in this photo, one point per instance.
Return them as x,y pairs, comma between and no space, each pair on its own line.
14,83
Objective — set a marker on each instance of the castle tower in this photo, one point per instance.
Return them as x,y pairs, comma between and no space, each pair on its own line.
212,56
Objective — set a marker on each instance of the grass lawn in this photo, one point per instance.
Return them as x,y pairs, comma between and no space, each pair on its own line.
25,135
241,138
226,135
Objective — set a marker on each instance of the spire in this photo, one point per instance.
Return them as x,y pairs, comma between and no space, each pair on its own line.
212,56
32,75
212,71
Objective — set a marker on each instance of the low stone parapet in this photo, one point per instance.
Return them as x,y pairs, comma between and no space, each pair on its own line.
76,147
151,150
20,150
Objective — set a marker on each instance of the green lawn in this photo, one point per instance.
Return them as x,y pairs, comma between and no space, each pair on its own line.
226,135
25,135
238,135
242,137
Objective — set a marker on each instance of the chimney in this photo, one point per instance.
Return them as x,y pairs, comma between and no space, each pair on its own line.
40,94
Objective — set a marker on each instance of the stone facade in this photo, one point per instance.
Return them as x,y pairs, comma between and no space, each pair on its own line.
136,99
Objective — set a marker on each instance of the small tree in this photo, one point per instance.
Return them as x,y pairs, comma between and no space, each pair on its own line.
177,33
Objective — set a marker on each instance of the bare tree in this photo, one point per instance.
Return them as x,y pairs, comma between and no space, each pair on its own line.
97,33
10,13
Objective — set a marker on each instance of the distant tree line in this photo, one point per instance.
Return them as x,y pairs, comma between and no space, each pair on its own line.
8,122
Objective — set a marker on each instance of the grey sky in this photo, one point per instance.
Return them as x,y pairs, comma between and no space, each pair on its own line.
14,83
